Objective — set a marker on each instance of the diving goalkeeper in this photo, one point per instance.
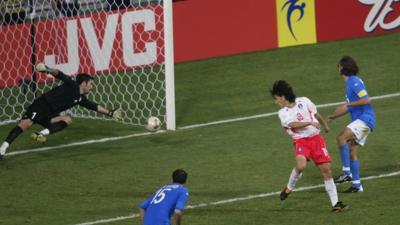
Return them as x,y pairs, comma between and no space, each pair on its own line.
46,109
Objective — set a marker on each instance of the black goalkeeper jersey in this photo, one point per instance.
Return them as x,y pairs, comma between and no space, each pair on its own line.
66,96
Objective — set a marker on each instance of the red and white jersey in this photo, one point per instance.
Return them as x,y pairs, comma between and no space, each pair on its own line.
303,111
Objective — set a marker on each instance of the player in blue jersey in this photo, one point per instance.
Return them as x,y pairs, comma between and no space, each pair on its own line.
355,134
169,199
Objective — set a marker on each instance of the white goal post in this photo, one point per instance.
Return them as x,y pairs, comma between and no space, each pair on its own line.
127,45
169,65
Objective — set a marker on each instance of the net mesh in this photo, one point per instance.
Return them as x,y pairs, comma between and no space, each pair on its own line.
120,42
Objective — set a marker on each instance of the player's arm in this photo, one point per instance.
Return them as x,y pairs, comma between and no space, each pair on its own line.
41,67
340,111
143,207
141,213
343,109
287,121
359,89
178,216
180,205
322,121
361,101
115,114
297,125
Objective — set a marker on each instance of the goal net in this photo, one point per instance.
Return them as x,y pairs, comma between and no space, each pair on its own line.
125,44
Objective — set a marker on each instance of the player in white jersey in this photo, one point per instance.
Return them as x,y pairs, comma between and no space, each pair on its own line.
304,110
300,119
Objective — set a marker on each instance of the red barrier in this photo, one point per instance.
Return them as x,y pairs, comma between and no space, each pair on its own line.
98,43
210,28
342,19
15,54
104,42
113,41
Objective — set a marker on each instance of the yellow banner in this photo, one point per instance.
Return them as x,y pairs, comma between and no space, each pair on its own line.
296,22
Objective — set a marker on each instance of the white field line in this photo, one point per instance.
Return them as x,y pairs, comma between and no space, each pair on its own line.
275,113
82,143
180,128
249,197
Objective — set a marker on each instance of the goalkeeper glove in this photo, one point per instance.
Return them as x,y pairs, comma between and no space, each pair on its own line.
41,67
116,114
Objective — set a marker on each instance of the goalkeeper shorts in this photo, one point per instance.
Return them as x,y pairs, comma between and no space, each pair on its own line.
39,112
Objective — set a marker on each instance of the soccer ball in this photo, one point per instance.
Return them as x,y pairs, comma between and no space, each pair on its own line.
153,124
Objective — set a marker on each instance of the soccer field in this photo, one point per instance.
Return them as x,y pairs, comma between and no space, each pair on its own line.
101,181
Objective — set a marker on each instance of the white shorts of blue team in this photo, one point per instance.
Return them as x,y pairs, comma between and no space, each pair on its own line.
360,130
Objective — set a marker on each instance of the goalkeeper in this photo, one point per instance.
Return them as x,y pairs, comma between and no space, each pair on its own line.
46,109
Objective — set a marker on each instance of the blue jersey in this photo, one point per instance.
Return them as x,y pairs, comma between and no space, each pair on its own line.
160,206
355,90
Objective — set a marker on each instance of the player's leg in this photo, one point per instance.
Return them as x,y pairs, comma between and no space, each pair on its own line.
31,115
342,140
330,186
301,163
355,168
320,155
361,131
57,124
23,125
295,175
54,125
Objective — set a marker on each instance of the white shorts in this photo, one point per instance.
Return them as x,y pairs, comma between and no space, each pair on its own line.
360,130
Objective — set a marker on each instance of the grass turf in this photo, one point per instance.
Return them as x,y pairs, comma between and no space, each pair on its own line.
106,180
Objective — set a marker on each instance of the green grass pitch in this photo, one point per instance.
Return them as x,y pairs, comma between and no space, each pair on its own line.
87,183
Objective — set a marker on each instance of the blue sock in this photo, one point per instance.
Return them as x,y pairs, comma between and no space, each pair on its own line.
345,157
355,170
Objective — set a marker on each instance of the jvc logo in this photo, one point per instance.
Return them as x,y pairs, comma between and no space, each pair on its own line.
101,51
376,17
